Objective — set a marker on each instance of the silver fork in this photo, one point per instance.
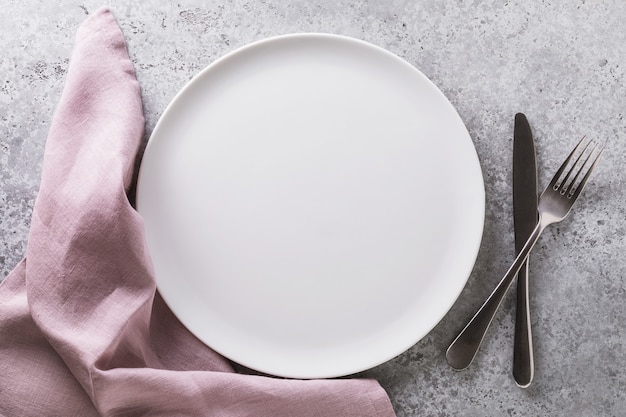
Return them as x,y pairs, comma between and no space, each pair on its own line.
554,205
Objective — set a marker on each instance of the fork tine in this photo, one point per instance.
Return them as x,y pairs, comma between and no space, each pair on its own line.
564,184
555,180
571,187
580,186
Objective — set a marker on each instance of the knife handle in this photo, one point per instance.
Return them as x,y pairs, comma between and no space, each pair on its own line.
523,357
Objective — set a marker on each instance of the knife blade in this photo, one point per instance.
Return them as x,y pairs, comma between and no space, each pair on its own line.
524,219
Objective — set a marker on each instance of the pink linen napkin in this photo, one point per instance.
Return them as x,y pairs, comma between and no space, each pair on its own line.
83,331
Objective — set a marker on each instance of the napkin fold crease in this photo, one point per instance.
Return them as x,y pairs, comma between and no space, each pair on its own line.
83,330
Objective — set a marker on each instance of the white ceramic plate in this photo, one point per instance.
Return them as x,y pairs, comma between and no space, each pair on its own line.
313,205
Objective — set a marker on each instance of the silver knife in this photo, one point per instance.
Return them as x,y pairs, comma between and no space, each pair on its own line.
524,220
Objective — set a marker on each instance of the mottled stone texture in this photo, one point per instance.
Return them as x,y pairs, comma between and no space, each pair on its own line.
562,63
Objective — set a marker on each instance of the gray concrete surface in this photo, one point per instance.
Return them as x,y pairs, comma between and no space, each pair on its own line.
562,63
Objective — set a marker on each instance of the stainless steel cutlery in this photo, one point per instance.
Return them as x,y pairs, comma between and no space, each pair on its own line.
554,205
525,196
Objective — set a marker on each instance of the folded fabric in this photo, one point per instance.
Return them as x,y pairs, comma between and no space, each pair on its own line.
83,331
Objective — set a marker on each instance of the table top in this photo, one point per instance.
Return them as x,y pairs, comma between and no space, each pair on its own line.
563,64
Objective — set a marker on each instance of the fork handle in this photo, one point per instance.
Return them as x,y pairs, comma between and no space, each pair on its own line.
463,349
